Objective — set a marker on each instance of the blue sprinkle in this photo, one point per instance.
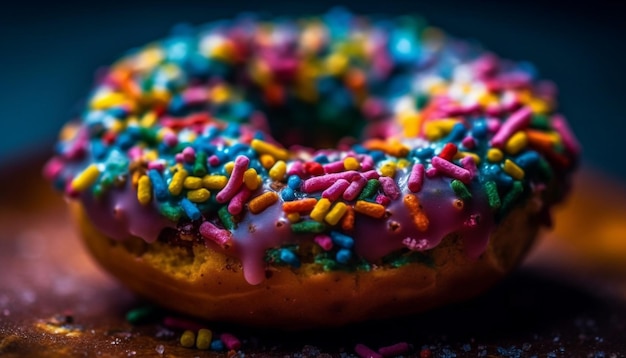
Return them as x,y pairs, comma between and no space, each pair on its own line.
527,159
212,133
423,153
98,149
457,133
237,148
359,149
294,182
259,135
232,130
377,155
190,209
158,184
322,159
124,141
241,110
177,104
289,257
342,240
217,345
287,194
343,256
480,128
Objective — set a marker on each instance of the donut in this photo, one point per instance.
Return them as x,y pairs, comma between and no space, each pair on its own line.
313,171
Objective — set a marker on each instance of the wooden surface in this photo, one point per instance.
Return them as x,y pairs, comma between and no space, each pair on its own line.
567,300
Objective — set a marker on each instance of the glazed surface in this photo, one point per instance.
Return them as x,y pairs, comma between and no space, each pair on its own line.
336,140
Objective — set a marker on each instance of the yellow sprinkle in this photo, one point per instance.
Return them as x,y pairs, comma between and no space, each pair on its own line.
494,155
229,167
336,213
516,143
134,179
149,119
262,202
160,95
370,209
150,155
144,190
108,100
403,163
436,129
460,155
351,163
203,340
68,131
193,183
277,172
539,106
388,169
487,99
293,217
178,179
117,126
269,148
214,182
188,339
220,94
513,169
267,160
260,72
410,122
251,179
223,51
320,210
86,178
198,195
336,64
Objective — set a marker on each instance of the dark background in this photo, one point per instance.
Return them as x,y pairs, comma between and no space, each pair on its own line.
50,51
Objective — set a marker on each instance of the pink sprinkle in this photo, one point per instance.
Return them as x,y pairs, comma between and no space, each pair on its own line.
53,167
170,139
365,352
195,95
189,154
451,170
235,181
336,190
236,204
214,160
517,121
179,158
70,191
431,172
180,323
355,188
230,341
389,187
325,181
219,236
296,168
394,350
469,164
493,110
415,245
334,167
79,147
324,241
493,125
468,142
373,108
370,174
567,136
367,162
383,200
134,153
416,178
157,165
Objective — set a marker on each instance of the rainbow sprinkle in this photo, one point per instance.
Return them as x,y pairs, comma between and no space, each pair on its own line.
215,126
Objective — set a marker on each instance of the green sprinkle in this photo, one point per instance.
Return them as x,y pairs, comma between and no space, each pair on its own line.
421,101
141,314
199,167
492,194
149,135
370,189
170,211
512,195
226,218
540,121
308,226
545,170
460,190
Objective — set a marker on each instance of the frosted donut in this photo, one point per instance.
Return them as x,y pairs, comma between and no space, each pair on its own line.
315,171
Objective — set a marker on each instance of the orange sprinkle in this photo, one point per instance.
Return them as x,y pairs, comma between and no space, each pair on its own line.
390,147
370,209
420,219
541,139
299,206
262,202
355,80
347,221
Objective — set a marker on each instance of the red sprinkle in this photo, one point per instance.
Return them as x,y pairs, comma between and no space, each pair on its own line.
313,168
448,151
